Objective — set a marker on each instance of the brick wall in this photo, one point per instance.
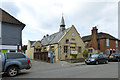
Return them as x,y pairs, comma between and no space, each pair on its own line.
112,45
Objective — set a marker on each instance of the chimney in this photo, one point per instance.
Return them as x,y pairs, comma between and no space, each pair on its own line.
94,38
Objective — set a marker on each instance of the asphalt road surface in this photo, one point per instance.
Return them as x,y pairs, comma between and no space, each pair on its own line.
66,70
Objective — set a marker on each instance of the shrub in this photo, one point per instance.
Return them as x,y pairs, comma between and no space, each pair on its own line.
85,53
74,55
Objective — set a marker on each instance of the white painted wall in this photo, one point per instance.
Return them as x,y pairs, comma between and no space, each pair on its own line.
0,30
9,47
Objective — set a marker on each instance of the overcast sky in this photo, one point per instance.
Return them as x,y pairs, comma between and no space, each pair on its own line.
44,16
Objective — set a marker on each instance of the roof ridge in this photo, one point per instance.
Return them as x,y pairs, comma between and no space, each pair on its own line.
7,17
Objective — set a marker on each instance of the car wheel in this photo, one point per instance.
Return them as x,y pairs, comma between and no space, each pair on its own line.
87,63
96,63
12,71
106,62
118,60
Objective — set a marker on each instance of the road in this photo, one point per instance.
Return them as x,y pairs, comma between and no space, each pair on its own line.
68,70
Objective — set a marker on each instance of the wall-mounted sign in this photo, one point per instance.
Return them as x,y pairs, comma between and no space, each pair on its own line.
49,54
4,51
74,52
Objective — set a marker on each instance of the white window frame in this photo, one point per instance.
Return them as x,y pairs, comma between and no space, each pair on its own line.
107,42
116,43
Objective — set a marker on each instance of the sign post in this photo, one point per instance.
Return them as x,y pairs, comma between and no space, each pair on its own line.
51,57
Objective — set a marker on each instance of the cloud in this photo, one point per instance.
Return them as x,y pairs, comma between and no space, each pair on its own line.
11,7
43,16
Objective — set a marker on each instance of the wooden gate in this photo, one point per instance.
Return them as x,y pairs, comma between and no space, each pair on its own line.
41,56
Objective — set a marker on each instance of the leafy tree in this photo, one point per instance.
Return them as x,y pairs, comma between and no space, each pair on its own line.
85,53
74,55
24,48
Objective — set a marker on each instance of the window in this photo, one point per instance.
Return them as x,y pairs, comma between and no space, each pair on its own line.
116,43
15,55
72,46
12,50
67,41
65,49
38,50
52,48
73,39
90,50
79,49
107,41
86,43
108,51
98,44
44,49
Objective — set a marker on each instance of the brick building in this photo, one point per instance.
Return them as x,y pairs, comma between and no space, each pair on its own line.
102,42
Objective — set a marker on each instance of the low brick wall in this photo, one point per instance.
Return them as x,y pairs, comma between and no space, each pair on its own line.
75,60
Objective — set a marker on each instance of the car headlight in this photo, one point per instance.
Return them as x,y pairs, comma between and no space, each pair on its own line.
92,60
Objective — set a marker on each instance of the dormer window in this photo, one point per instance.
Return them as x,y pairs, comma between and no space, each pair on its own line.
67,41
86,43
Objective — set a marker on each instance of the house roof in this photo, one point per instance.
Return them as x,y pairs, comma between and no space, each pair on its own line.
100,35
53,38
32,43
6,17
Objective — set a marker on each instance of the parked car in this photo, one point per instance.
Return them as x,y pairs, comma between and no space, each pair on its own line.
114,57
12,63
96,59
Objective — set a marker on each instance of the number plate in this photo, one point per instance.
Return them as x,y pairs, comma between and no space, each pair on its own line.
111,56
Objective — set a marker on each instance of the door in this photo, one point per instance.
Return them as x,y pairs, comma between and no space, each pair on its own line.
0,63
100,58
17,58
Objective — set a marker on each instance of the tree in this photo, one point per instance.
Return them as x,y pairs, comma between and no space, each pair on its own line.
24,48
85,53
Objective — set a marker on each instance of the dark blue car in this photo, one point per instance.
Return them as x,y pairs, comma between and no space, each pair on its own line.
96,59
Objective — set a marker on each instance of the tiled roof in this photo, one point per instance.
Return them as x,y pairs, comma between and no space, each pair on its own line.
6,17
32,43
54,38
99,36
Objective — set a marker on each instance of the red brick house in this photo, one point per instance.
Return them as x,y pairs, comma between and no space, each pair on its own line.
102,42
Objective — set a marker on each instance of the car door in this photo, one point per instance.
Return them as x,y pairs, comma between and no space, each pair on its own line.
0,62
19,58
100,57
104,58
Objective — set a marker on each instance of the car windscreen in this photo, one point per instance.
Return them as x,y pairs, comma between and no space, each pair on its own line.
112,55
94,56
118,53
